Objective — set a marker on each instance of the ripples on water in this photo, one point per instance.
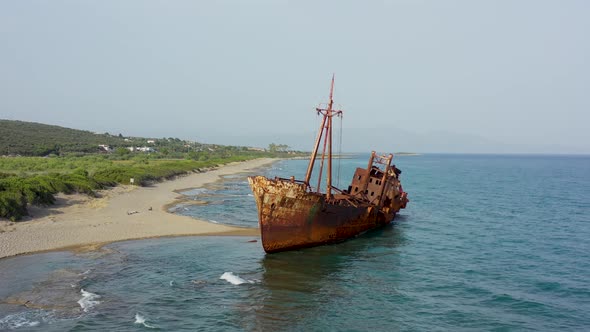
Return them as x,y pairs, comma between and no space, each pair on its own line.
487,242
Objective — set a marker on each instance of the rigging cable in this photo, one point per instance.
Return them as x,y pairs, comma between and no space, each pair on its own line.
339,150
323,157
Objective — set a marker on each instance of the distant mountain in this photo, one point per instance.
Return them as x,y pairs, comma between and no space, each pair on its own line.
37,139
380,138
387,139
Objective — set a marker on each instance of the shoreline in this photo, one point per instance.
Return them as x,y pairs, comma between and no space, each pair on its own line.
80,223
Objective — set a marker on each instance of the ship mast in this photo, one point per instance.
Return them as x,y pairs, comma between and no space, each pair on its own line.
329,129
326,125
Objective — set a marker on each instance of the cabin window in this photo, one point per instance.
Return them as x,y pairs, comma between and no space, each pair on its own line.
359,177
371,180
366,192
356,189
372,193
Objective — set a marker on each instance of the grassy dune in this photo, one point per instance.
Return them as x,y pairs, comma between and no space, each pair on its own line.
35,180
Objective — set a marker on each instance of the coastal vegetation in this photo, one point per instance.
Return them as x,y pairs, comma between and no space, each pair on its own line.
39,161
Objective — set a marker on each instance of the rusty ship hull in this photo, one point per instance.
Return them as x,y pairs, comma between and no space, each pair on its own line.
292,218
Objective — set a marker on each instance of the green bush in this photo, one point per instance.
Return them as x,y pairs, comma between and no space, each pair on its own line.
13,205
36,180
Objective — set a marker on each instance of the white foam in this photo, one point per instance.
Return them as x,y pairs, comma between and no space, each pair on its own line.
17,320
35,323
88,300
171,283
234,279
139,319
194,192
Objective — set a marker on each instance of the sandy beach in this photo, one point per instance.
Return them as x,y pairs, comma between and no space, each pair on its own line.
79,222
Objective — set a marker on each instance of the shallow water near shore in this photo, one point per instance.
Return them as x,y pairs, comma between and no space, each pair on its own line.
487,243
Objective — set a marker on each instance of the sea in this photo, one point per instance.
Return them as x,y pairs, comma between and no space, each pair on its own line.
486,243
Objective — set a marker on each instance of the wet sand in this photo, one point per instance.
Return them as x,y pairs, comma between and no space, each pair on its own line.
81,223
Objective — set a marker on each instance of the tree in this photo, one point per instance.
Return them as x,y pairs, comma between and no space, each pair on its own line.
277,147
193,155
122,151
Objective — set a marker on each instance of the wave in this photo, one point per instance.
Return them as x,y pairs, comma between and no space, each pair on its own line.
234,279
194,192
85,272
139,319
175,208
16,321
88,300
31,318
233,176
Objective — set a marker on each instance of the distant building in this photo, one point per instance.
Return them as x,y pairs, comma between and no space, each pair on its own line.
141,149
256,149
151,141
104,148
145,149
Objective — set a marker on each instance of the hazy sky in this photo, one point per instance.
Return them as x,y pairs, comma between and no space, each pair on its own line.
425,76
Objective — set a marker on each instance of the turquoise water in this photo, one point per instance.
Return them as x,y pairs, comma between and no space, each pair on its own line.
486,243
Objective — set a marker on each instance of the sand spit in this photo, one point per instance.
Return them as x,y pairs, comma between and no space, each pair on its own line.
81,223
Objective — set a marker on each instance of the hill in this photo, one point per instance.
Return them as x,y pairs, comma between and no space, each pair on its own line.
37,139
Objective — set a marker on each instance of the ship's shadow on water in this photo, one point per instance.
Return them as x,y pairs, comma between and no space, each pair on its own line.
301,283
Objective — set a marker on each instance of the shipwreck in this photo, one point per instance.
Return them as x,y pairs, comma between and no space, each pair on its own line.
292,214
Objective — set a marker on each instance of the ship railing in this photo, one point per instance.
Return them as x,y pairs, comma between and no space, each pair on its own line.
291,179
347,196
340,191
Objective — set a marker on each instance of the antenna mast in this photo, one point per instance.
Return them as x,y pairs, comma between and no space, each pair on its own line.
329,115
326,125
